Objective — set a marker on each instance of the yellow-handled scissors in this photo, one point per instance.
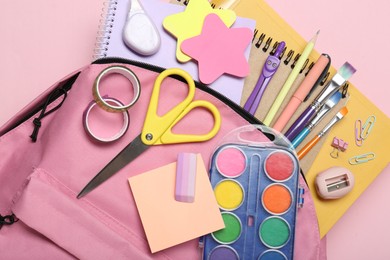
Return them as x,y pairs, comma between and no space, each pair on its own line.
157,129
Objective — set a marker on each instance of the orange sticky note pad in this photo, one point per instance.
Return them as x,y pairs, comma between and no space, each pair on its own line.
168,222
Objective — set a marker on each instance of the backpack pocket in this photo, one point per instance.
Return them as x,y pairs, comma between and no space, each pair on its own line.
50,208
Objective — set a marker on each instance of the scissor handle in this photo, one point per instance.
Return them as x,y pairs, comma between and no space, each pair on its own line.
154,125
170,138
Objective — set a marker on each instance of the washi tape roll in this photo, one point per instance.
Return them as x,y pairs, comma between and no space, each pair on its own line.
122,131
124,71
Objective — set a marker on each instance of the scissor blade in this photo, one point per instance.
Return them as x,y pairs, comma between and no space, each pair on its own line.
127,155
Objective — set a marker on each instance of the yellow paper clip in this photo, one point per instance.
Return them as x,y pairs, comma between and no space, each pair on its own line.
362,158
367,127
358,132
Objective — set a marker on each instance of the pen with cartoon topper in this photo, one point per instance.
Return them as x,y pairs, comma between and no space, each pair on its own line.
270,67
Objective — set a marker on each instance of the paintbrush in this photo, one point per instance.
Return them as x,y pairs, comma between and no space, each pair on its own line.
344,73
329,104
315,140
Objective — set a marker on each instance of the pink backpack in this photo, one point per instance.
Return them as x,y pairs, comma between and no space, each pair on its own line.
41,218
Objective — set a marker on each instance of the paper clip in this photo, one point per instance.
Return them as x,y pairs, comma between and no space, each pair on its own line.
358,132
362,158
367,127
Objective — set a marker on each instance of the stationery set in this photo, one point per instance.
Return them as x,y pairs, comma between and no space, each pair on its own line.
271,26
234,140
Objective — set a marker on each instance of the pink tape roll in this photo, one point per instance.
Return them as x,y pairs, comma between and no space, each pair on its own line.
122,131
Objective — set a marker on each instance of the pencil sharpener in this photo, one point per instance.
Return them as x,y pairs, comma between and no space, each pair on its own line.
334,183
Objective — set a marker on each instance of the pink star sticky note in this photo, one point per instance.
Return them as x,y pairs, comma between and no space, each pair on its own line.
188,23
219,49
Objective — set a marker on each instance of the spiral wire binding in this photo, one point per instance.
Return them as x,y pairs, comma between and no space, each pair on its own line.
105,29
308,69
267,42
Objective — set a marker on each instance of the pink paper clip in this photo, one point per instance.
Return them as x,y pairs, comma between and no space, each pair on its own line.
358,132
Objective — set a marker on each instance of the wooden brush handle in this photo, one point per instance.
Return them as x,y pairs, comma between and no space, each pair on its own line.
308,147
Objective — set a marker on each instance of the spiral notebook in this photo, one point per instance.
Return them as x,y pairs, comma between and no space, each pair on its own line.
271,28
265,40
109,42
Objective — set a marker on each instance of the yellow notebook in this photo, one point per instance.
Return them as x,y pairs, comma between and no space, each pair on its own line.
273,28
319,159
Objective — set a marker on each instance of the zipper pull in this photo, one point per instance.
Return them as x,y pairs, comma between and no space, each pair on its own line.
37,124
7,220
56,93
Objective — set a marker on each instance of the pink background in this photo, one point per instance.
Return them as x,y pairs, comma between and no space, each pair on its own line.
43,40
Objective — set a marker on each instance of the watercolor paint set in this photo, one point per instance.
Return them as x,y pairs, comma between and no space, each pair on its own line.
256,188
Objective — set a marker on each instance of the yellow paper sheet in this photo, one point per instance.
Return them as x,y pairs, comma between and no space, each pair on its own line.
359,107
166,221
329,211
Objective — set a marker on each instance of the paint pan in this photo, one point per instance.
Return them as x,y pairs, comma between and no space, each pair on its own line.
231,162
274,232
272,255
279,166
277,199
223,252
229,194
232,230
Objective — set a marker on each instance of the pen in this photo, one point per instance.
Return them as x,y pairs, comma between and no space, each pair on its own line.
269,69
290,80
334,85
315,76
315,140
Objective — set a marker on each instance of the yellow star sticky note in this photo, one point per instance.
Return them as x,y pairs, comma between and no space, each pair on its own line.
189,23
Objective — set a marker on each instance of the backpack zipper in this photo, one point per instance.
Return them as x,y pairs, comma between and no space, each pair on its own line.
69,83
54,95
58,92
243,113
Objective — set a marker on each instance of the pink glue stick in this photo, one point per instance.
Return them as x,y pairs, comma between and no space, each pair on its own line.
185,177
